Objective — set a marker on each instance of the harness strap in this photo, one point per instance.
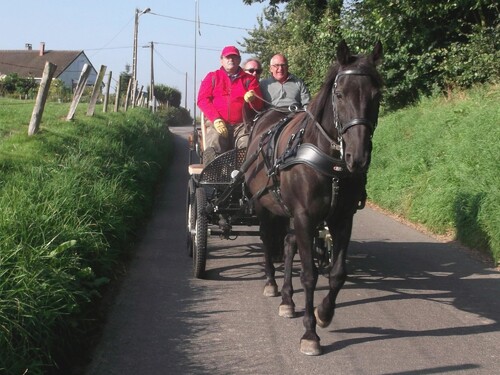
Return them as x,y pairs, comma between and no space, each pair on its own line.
333,145
335,194
312,156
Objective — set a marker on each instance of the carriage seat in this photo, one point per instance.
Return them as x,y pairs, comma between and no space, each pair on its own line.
195,169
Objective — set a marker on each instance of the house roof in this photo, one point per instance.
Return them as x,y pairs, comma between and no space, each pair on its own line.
29,63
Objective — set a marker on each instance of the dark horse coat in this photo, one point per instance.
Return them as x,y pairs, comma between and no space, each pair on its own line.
310,171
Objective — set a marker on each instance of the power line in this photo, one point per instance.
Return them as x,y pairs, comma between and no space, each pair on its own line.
204,23
108,48
188,46
167,63
113,38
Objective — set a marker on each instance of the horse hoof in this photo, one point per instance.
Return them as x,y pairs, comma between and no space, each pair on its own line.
270,291
319,322
310,347
286,311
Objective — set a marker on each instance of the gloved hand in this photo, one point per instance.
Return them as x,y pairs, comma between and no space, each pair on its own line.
220,126
249,96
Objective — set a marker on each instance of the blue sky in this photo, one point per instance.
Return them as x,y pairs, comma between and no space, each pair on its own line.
104,29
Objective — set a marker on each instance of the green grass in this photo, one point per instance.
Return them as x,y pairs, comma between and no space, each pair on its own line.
437,164
72,197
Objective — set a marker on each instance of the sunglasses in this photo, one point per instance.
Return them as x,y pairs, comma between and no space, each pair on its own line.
252,71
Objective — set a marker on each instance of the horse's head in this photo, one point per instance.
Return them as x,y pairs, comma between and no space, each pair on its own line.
356,93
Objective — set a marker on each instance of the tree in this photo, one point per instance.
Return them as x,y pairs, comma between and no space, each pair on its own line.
419,36
307,32
14,84
125,77
168,96
430,46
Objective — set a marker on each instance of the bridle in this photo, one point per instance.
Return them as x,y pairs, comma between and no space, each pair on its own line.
340,127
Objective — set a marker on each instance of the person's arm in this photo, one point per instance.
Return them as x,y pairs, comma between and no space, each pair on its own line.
257,103
205,98
305,96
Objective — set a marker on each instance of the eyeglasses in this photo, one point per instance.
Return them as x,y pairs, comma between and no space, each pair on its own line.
279,65
252,71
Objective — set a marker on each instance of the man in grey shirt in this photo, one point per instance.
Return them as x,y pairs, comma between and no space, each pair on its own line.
283,89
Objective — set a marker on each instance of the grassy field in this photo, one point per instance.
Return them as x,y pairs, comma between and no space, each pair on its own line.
72,197
438,163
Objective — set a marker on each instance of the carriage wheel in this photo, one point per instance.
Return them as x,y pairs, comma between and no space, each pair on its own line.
190,216
200,236
322,251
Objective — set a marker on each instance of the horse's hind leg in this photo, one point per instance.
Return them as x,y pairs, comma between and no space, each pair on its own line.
272,235
287,306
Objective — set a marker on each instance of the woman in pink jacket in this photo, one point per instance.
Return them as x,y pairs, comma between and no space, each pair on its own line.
221,98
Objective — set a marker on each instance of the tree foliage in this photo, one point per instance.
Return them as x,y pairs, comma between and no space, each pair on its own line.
13,84
59,92
421,38
124,78
430,46
168,96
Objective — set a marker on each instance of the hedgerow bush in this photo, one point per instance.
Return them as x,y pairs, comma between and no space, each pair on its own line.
176,116
72,198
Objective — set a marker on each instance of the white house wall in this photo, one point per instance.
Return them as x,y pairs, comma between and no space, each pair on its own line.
72,73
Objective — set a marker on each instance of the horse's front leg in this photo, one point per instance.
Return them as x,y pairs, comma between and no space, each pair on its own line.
287,306
309,343
341,234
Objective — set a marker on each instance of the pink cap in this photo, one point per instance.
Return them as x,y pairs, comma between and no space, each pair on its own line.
230,50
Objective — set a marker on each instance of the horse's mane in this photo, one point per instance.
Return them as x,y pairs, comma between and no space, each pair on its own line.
323,98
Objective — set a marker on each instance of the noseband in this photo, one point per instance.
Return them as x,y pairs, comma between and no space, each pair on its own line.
342,128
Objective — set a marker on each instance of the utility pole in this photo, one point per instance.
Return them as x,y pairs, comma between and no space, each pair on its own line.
138,13
152,83
196,31
186,92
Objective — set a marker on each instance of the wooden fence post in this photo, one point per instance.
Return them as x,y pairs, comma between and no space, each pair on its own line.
117,96
106,95
80,87
96,91
129,91
41,98
139,96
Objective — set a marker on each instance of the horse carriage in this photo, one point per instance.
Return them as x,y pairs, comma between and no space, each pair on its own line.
218,203
301,180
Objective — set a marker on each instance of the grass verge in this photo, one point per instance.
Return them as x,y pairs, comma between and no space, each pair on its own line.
72,198
437,164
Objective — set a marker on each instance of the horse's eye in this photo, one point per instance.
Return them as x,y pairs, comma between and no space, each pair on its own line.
338,94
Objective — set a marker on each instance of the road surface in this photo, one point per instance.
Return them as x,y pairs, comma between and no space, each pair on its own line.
411,305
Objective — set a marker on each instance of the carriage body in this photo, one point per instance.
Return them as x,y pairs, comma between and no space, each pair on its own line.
217,205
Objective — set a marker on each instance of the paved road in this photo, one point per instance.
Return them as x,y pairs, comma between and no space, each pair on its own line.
412,305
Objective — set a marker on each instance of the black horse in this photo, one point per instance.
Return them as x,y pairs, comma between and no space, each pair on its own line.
311,170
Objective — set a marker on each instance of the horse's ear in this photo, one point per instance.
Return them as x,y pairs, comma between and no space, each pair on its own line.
343,53
377,53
